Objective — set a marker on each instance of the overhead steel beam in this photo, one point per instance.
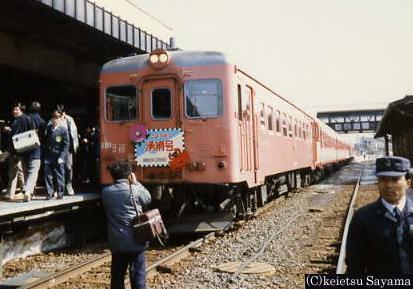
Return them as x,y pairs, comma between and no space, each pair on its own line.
356,121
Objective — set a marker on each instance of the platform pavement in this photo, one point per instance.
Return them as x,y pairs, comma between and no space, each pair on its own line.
39,203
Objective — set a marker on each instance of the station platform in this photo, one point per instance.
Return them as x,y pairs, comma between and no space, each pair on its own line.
13,212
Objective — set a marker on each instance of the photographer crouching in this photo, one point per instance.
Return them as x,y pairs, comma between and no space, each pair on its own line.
121,200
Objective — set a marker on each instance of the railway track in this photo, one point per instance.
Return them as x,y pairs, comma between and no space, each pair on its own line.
350,211
329,237
328,253
89,274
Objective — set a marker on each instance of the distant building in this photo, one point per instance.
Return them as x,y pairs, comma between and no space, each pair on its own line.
368,147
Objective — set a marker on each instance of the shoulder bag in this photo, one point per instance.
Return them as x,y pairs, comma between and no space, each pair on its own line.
26,141
148,226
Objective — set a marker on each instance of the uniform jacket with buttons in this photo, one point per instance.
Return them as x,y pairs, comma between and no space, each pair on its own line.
377,243
120,212
69,123
56,144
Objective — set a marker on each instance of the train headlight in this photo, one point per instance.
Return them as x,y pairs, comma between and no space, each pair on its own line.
163,57
154,58
159,58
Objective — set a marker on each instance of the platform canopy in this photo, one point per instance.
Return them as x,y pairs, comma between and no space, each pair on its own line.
79,26
52,51
397,117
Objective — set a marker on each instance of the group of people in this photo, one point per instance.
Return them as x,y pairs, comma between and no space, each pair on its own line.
58,143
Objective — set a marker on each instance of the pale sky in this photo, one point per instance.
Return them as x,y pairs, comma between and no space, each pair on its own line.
314,52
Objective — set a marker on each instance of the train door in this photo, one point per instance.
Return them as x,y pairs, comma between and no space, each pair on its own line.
160,104
160,154
247,130
316,143
254,133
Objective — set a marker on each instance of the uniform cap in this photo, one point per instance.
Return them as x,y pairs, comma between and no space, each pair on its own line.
392,166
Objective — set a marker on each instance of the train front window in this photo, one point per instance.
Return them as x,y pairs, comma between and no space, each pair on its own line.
161,103
203,98
121,104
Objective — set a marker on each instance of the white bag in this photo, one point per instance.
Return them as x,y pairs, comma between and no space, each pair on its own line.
26,141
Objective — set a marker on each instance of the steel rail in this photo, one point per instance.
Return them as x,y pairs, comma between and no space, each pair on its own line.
78,269
176,256
66,274
265,245
294,218
350,212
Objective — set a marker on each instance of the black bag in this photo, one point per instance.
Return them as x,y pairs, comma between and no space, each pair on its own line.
148,226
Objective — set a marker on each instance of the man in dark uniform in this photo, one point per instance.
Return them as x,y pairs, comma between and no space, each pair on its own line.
56,148
121,201
381,233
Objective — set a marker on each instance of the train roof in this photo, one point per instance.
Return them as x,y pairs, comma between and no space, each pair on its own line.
183,59
180,58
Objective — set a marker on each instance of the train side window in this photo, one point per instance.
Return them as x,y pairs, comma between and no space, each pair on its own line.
290,126
239,102
161,103
322,139
262,117
270,116
278,121
304,132
295,128
121,103
246,98
285,124
300,129
203,98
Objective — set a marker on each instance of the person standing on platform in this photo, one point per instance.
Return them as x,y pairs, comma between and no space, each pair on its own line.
34,157
17,161
380,239
56,148
120,210
70,124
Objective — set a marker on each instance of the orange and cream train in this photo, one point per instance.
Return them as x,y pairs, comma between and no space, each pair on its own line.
206,136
